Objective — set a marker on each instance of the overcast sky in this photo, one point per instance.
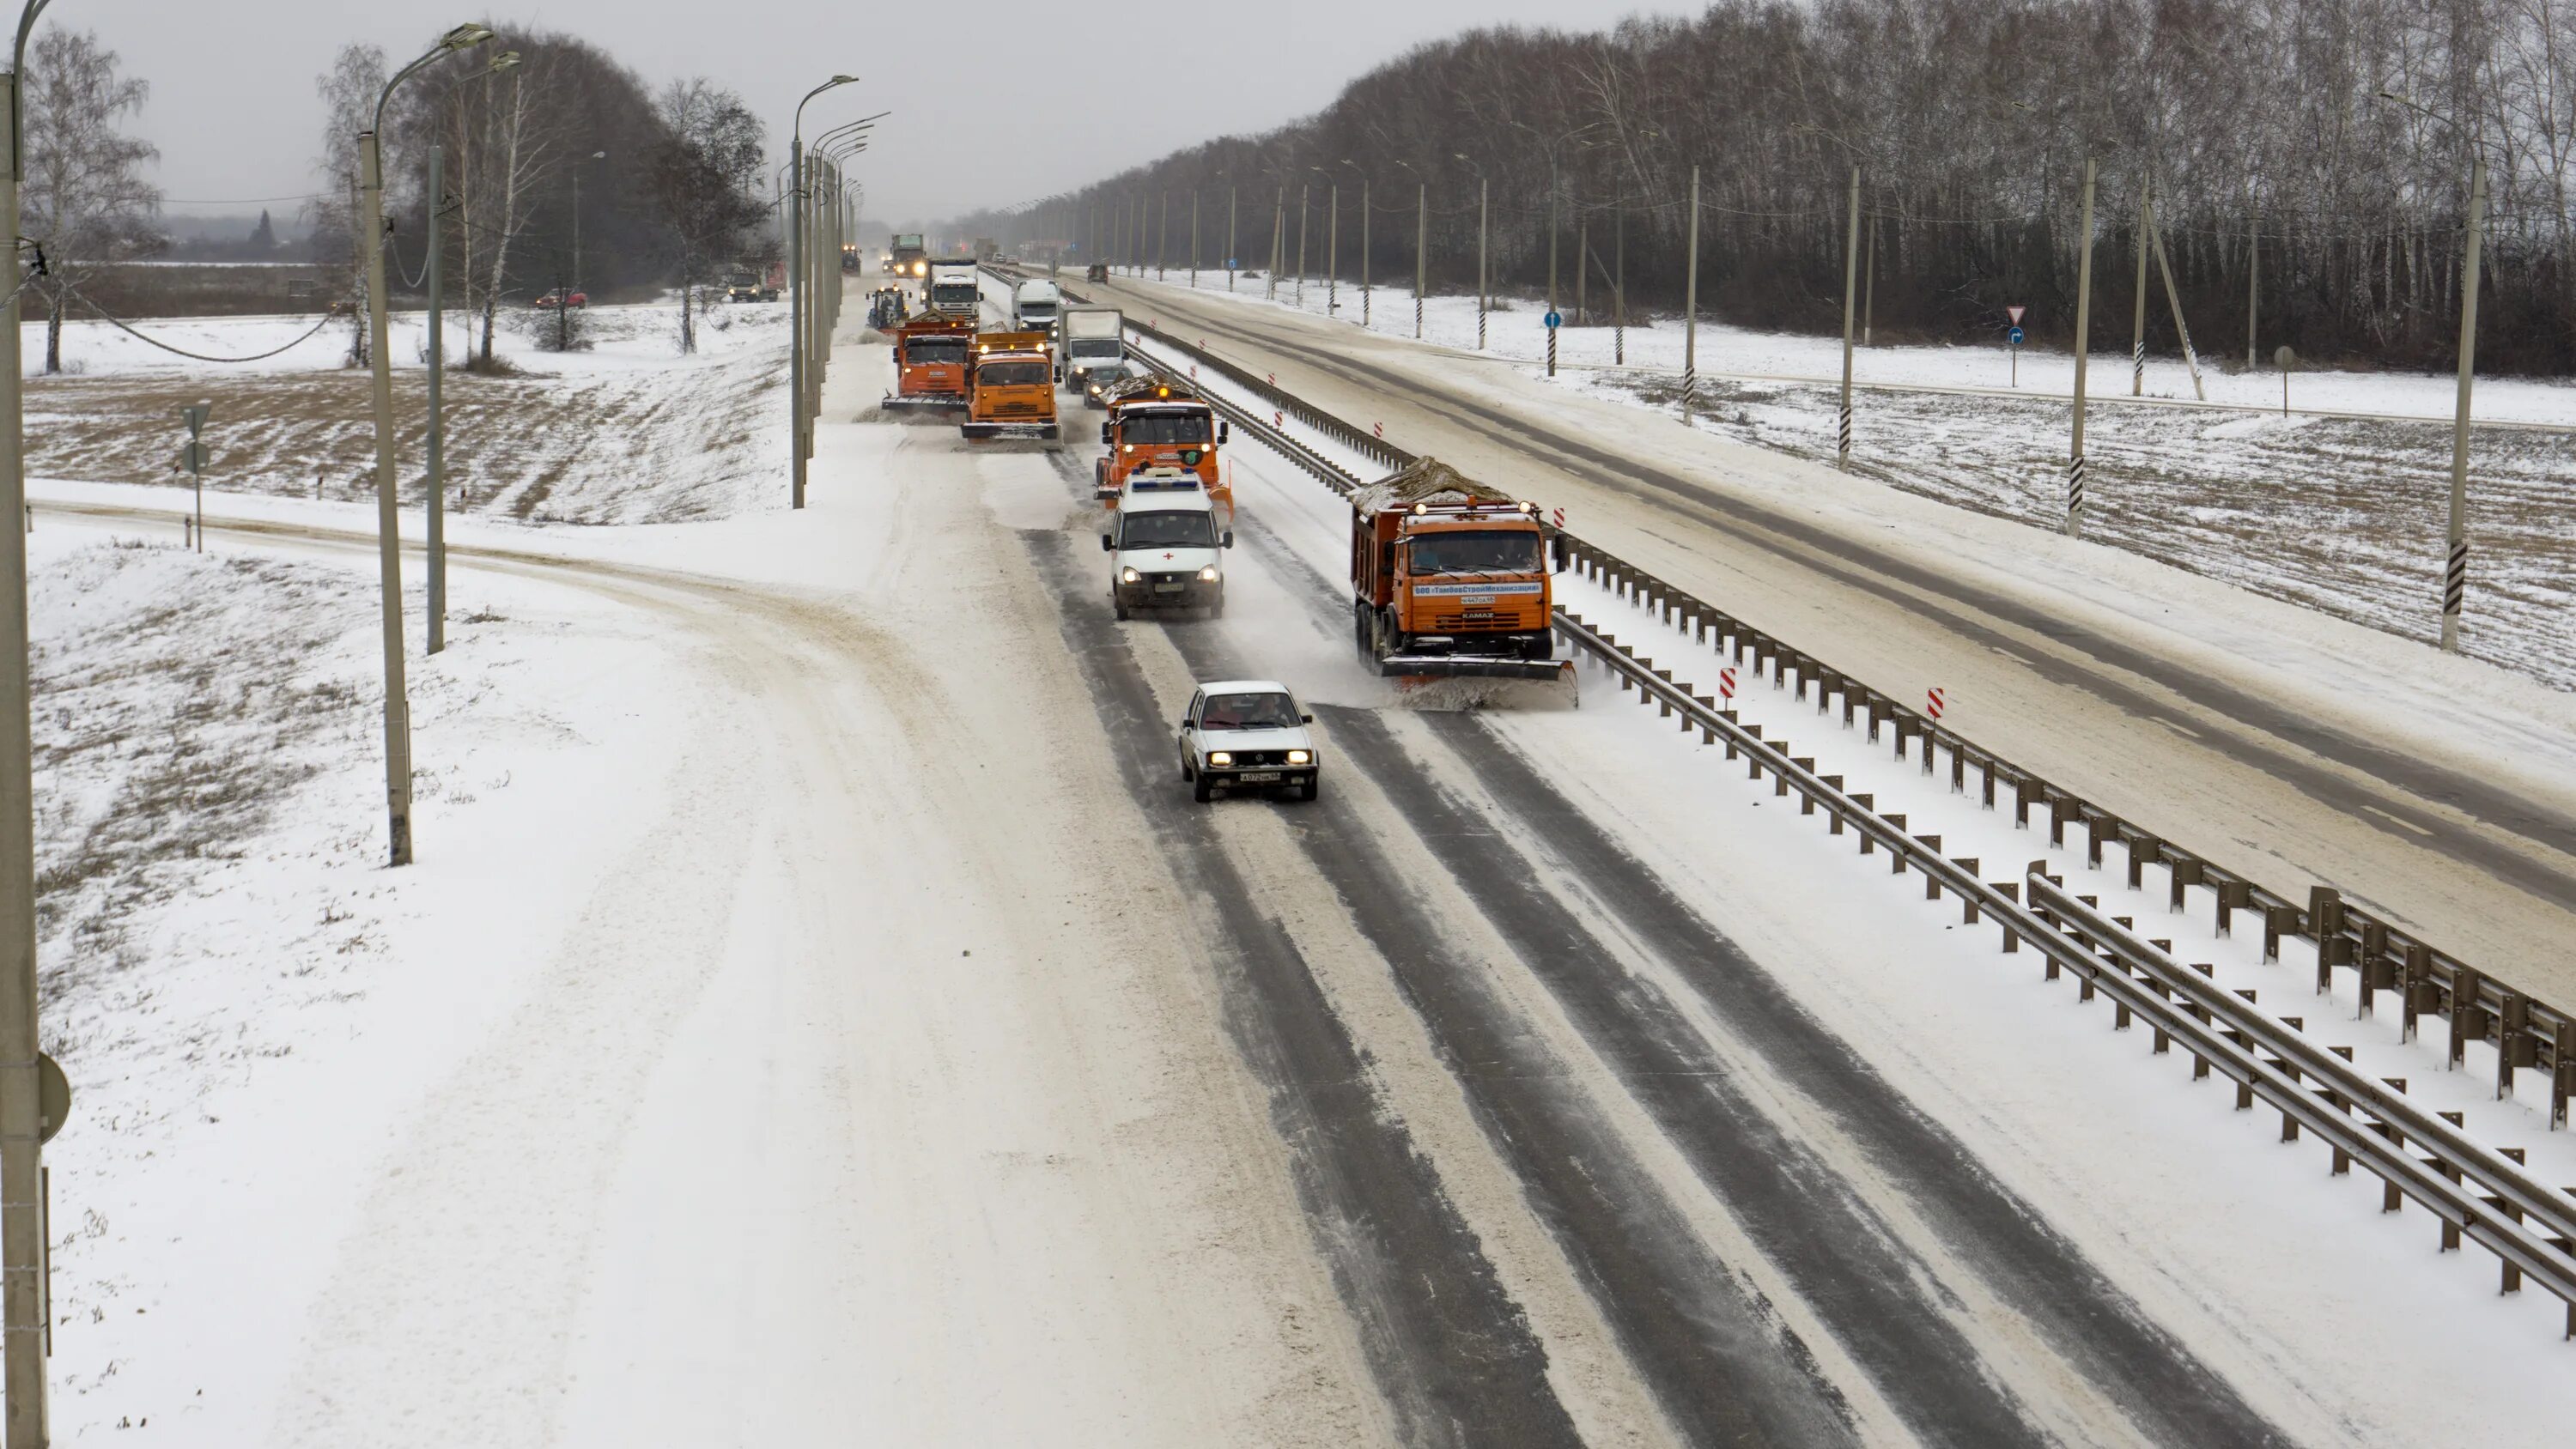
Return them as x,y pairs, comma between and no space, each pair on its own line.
1024,100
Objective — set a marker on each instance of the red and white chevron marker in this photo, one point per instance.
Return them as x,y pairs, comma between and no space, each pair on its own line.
1933,703
1726,684
1194,372
1278,419
1274,378
1559,516
1378,428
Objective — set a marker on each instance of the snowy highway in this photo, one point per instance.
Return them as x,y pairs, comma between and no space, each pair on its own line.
908,1059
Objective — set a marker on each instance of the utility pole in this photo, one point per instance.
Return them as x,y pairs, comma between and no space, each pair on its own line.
436,501
2173,300
1231,256
1421,250
1851,276
2138,326
23,1128
2083,337
1364,253
1690,306
388,515
1869,287
1163,241
800,299
1484,289
1302,197
1551,272
2253,279
1278,243
1582,268
1619,284
2455,570
1194,238
1333,252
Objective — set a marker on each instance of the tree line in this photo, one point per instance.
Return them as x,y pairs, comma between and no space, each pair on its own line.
2309,163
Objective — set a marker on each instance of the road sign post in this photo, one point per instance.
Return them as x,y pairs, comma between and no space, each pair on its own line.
2012,343
193,456
1555,319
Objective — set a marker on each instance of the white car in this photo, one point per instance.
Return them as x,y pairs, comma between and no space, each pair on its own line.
1248,734
1166,548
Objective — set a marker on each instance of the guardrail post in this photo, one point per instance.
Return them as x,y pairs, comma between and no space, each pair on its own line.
2233,896
2562,1085
2011,891
2278,921
2184,874
1866,801
1896,853
2143,852
2097,828
2419,989
2025,791
1968,903
2514,1046
2468,1022
1931,882
2376,971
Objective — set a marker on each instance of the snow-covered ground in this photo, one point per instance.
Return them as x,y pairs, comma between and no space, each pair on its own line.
2337,510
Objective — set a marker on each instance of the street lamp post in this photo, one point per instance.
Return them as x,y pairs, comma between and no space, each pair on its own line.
436,461
22,1116
371,188
1484,197
1421,241
799,445
1364,242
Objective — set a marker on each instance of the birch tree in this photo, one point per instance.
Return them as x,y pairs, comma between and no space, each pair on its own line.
85,200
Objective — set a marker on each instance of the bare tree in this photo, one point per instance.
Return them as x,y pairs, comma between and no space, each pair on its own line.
704,179
349,90
85,201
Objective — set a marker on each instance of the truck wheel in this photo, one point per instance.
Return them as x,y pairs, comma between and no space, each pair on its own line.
1541,647
1200,789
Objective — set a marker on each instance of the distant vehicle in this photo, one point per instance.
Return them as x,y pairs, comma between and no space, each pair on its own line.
909,257
986,249
953,287
1096,272
1248,734
1091,342
1165,547
558,298
1034,304
748,287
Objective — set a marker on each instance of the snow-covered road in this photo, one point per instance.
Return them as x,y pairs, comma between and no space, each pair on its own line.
895,1054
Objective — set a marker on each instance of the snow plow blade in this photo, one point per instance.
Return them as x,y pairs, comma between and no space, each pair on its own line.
1467,666
957,404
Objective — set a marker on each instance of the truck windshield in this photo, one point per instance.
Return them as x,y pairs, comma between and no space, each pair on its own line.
1496,552
1163,429
935,351
1248,712
1011,374
1166,530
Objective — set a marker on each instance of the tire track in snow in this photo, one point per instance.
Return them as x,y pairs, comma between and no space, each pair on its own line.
1453,1354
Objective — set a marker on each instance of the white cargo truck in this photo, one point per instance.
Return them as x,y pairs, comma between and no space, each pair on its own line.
1034,304
1091,341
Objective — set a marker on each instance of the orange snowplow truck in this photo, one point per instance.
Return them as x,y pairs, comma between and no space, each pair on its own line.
1450,577
1156,422
930,353
1010,387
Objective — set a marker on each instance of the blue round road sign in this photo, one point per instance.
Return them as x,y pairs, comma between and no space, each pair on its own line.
1555,319
2013,337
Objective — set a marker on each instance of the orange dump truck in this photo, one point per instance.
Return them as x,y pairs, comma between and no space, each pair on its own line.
1450,577
930,354
1158,422
1010,387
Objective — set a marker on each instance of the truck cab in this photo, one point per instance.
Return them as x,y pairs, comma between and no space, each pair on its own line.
1449,576
907,258
1166,546
1156,422
953,288
1010,387
930,356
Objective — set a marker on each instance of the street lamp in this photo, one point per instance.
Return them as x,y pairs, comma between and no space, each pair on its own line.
1484,210
1364,240
2455,567
1421,241
436,502
800,443
22,1114
1851,275
371,190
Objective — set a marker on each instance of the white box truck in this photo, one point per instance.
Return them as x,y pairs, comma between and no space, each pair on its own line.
1092,339
1034,304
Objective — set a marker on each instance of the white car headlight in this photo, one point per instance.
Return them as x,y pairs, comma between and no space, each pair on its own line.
1208,575
1300,757
1128,576
1220,757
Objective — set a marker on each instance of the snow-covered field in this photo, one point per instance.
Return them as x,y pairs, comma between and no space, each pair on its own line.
2341,513
624,431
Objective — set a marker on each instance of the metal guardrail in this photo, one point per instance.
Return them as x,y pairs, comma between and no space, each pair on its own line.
2528,1033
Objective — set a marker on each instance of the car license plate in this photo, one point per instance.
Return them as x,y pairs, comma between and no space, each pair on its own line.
1258,777
1167,588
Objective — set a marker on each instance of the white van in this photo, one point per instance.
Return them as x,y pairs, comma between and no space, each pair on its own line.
1034,306
1166,551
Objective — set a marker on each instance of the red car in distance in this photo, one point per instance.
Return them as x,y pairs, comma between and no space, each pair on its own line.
558,296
